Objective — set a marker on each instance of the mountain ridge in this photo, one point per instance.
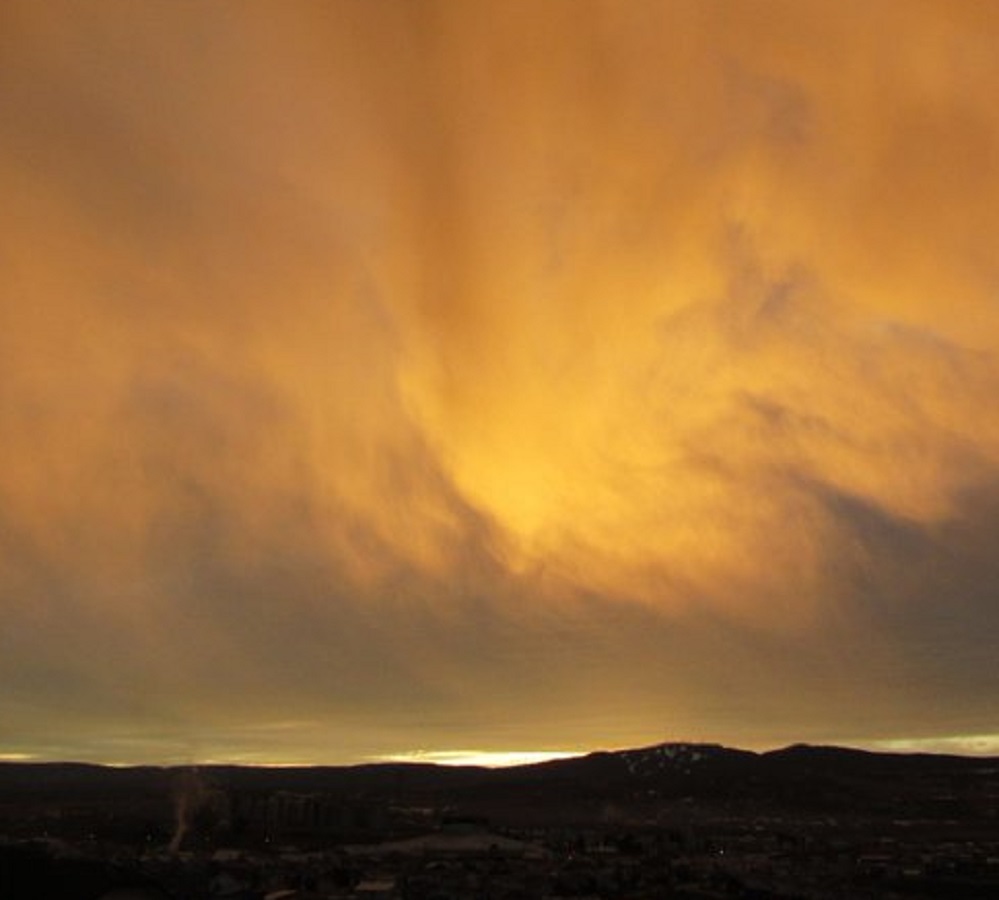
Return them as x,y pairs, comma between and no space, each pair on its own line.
683,752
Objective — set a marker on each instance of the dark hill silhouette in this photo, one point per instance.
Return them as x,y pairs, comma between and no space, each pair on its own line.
799,779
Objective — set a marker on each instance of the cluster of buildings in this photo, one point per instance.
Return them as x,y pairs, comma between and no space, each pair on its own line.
772,859
285,845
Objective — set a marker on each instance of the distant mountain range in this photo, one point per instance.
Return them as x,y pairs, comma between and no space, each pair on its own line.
671,780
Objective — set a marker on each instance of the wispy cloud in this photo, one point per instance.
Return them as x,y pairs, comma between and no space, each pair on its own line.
570,374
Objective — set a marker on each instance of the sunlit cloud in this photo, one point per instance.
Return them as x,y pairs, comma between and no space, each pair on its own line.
495,375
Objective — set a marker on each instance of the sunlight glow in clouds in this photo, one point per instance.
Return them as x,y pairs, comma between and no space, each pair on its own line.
960,744
496,375
490,759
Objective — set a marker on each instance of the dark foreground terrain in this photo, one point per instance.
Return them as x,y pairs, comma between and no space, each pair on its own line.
673,821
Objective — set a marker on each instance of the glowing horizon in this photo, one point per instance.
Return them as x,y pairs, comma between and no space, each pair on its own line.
498,759
967,745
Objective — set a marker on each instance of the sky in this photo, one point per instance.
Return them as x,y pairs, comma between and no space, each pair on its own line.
397,379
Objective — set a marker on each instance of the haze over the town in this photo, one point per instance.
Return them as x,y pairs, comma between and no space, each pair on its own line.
390,378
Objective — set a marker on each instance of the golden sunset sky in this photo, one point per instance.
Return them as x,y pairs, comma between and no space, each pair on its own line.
387,377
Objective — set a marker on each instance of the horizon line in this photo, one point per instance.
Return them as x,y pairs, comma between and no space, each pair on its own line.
971,746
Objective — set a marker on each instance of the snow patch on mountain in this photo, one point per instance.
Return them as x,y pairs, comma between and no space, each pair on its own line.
679,758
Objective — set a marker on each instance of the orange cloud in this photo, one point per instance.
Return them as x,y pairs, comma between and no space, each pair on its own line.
368,358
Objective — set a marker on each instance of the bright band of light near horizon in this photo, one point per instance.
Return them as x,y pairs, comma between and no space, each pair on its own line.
526,376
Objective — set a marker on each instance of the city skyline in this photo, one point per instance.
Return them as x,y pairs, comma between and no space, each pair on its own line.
392,380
